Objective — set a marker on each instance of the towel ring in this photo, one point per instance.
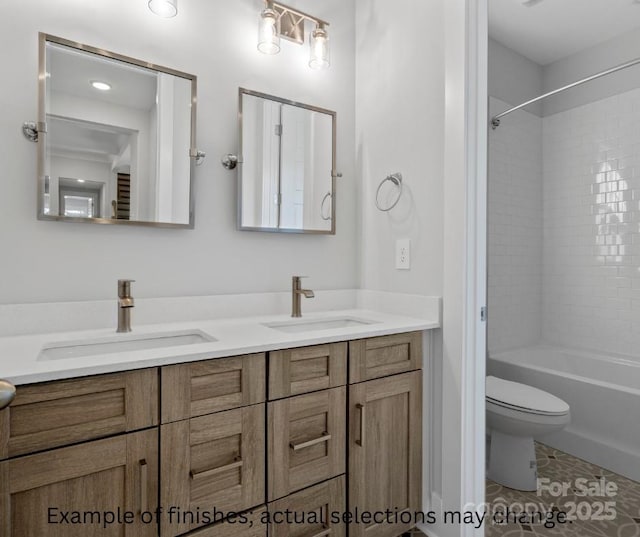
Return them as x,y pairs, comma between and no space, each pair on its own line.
326,197
396,179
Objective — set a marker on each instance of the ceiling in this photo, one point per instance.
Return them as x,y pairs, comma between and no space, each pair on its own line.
549,30
80,139
71,72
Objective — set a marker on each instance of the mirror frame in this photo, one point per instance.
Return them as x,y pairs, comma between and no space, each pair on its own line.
334,174
42,131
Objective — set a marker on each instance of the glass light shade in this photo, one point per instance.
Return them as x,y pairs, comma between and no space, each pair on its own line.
164,8
268,36
319,49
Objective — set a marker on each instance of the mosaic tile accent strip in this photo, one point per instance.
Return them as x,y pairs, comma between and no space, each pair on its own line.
572,486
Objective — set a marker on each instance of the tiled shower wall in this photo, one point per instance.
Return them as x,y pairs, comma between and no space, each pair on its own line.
592,226
515,230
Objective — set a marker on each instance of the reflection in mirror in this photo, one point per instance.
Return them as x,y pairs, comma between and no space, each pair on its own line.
287,165
118,138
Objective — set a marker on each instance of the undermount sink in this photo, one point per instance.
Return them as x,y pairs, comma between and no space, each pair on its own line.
308,325
122,343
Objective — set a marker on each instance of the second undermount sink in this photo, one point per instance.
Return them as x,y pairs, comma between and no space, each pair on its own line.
122,343
308,325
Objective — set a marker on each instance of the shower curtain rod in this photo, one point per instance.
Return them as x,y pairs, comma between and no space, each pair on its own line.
495,120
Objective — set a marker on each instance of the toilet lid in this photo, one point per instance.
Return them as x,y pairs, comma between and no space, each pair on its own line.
517,395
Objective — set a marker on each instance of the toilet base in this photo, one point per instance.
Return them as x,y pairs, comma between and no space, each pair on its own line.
512,461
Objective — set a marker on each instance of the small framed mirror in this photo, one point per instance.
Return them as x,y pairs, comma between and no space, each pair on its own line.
116,138
287,166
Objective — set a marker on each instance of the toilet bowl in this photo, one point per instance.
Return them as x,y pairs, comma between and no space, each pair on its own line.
516,413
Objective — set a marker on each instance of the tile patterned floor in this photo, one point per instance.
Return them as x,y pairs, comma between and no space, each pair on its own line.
562,467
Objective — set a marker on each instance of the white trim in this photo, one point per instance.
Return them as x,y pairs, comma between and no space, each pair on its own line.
474,368
464,337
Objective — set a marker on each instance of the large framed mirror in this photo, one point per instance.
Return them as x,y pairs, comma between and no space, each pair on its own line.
116,138
287,165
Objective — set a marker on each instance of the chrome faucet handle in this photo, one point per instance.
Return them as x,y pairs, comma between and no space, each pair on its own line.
7,393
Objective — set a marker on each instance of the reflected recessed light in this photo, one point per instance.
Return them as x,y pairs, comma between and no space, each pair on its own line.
164,8
102,86
80,180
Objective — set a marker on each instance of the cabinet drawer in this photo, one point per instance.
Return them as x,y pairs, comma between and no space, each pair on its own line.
119,473
306,440
199,388
55,414
383,356
307,369
317,501
252,526
212,461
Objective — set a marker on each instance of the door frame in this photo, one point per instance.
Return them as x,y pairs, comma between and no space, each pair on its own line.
463,366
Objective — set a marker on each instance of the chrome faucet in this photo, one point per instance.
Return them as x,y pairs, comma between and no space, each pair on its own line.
125,304
296,293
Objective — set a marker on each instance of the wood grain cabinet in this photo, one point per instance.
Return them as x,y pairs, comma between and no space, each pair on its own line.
306,440
54,414
385,437
314,512
307,369
203,436
251,524
200,388
378,357
39,493
212,461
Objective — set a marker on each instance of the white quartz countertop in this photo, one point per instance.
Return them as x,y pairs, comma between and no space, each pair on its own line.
21,360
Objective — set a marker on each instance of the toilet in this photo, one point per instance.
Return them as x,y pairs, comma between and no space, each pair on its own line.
516,413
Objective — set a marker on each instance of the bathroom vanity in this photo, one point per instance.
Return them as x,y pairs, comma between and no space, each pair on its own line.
324,430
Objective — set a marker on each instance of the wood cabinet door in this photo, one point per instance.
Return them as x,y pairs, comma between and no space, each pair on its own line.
39,493
307,369
200,388
382,356
61,413
215,461
314,512
385,445
306,440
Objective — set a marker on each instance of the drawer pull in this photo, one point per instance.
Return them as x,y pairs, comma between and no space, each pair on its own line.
144,483
302,445
360,440
325,531
237,463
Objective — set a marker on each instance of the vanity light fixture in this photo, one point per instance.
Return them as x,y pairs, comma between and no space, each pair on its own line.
164,8
268,34
319,48
281,21
102,86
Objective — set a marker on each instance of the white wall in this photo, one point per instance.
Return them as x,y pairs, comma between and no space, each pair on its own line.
513,78
591,216
588,62
399,128
217,42
515,230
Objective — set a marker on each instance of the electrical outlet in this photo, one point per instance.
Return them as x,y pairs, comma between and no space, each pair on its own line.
403,254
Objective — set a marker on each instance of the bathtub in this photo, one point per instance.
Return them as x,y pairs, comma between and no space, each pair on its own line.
604,395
